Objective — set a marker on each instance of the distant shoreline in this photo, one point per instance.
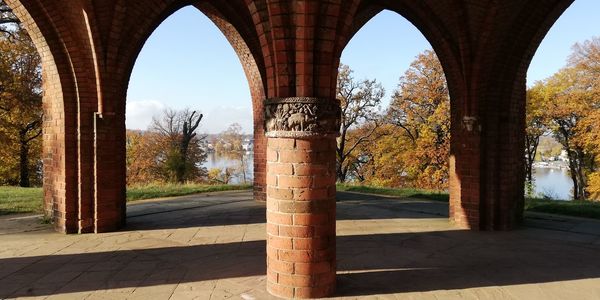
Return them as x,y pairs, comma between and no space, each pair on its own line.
551,165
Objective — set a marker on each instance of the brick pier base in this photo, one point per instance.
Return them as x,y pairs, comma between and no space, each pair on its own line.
301,217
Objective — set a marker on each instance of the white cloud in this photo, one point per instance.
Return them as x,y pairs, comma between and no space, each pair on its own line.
140,113
219,118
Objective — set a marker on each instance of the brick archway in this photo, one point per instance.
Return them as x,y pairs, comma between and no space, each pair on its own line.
290,51
440,37
485,52
120,68
244,42
88,50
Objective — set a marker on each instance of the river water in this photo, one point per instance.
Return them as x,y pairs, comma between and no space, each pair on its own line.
214,160
551,182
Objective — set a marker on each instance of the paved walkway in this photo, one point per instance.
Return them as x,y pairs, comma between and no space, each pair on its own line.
213,247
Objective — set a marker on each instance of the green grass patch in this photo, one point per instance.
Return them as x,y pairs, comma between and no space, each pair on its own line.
152,191
401,192
17,200
584,209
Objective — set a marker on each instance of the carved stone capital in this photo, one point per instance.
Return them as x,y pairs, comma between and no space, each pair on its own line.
302,117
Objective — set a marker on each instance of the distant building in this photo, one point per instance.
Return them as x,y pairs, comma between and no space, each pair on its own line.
248,144
564,155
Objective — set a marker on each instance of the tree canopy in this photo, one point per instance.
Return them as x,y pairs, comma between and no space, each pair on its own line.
20,107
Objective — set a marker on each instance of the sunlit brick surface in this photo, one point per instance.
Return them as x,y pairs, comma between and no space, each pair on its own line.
287,48
301,217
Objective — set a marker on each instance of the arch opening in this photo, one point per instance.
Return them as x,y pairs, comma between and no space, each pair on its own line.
561,161
187,72
401,139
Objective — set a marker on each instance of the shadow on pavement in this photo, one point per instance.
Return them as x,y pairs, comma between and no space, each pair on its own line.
241,209
368,264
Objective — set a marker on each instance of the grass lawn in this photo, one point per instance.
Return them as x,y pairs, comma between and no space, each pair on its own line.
403,193
584,209
15,200
170,190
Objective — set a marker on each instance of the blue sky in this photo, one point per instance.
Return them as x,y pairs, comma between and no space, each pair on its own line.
187,62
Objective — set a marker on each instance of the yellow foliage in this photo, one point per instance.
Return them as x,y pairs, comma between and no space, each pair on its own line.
20,110
413,149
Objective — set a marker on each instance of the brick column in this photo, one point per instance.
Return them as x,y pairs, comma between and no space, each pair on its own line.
110,173
301,198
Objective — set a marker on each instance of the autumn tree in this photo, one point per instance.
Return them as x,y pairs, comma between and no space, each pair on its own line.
221,176
9,23
145,151
535,129
420,110
566,102
169,151
585,61
381,163
20,105
182,152
590,138
360,102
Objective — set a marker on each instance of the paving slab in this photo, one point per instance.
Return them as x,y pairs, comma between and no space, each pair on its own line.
212,246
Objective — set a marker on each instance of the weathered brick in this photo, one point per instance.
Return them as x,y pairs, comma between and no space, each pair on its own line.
296,231
280,218
280,290
292,181
295,56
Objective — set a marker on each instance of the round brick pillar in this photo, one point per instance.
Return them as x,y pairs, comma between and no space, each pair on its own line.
301,180
301,217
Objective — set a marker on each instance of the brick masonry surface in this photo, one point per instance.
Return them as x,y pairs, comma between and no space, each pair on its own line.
288,48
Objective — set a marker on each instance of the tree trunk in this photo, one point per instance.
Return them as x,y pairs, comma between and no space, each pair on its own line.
243,166
575,185
339,169
576,176
581,175
531,146
24,165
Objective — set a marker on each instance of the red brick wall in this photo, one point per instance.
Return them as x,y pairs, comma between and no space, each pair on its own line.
288,49
301,217
485,48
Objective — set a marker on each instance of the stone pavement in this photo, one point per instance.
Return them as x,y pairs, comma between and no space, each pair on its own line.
212,246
